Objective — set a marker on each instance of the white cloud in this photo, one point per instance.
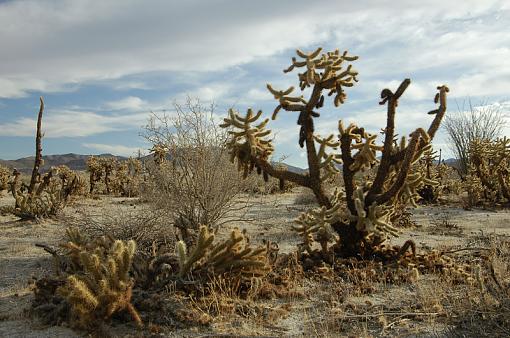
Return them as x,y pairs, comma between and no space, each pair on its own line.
67,123
47,45
114,149
130,103
211,92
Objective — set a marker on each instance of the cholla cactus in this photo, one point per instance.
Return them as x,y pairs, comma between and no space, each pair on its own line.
159,152
101,286
489,169
108,164
127,177
69,180
233,255
96,172
369,204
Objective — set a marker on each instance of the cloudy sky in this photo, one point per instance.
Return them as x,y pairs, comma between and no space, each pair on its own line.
102,66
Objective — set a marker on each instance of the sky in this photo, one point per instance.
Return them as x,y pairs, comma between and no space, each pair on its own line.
103,66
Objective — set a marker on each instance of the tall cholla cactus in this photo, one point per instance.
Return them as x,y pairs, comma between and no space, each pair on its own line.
364,223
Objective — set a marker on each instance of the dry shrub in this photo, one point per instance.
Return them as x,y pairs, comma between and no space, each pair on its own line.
482,308
192,181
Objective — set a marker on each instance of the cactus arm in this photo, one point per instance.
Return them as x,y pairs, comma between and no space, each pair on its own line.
389,133
403,171
284,174
38,149
434,125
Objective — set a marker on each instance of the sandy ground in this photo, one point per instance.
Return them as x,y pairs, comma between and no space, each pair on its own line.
20,261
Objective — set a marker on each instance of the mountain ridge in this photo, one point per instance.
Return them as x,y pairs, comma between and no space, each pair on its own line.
75,162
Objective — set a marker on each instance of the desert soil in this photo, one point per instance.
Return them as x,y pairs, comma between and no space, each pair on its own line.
439,226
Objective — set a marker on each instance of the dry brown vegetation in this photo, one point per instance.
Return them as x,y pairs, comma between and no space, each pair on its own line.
372,241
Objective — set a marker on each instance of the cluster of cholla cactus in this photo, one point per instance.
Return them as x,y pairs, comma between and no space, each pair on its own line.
118,177
364,222
46,194
233,255
489,170
99,285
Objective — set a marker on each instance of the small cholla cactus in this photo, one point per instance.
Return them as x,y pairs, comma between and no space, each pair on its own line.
100,285
233,255
365,221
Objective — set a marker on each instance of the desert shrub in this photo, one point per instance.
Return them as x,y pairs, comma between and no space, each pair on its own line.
365,222
191,178
66,176
438,177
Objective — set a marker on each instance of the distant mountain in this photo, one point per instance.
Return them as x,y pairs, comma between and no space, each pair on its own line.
75,162
292,168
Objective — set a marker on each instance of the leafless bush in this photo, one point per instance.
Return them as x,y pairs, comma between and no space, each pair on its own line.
195,183
483,122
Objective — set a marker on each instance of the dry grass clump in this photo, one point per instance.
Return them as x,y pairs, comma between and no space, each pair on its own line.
464,295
